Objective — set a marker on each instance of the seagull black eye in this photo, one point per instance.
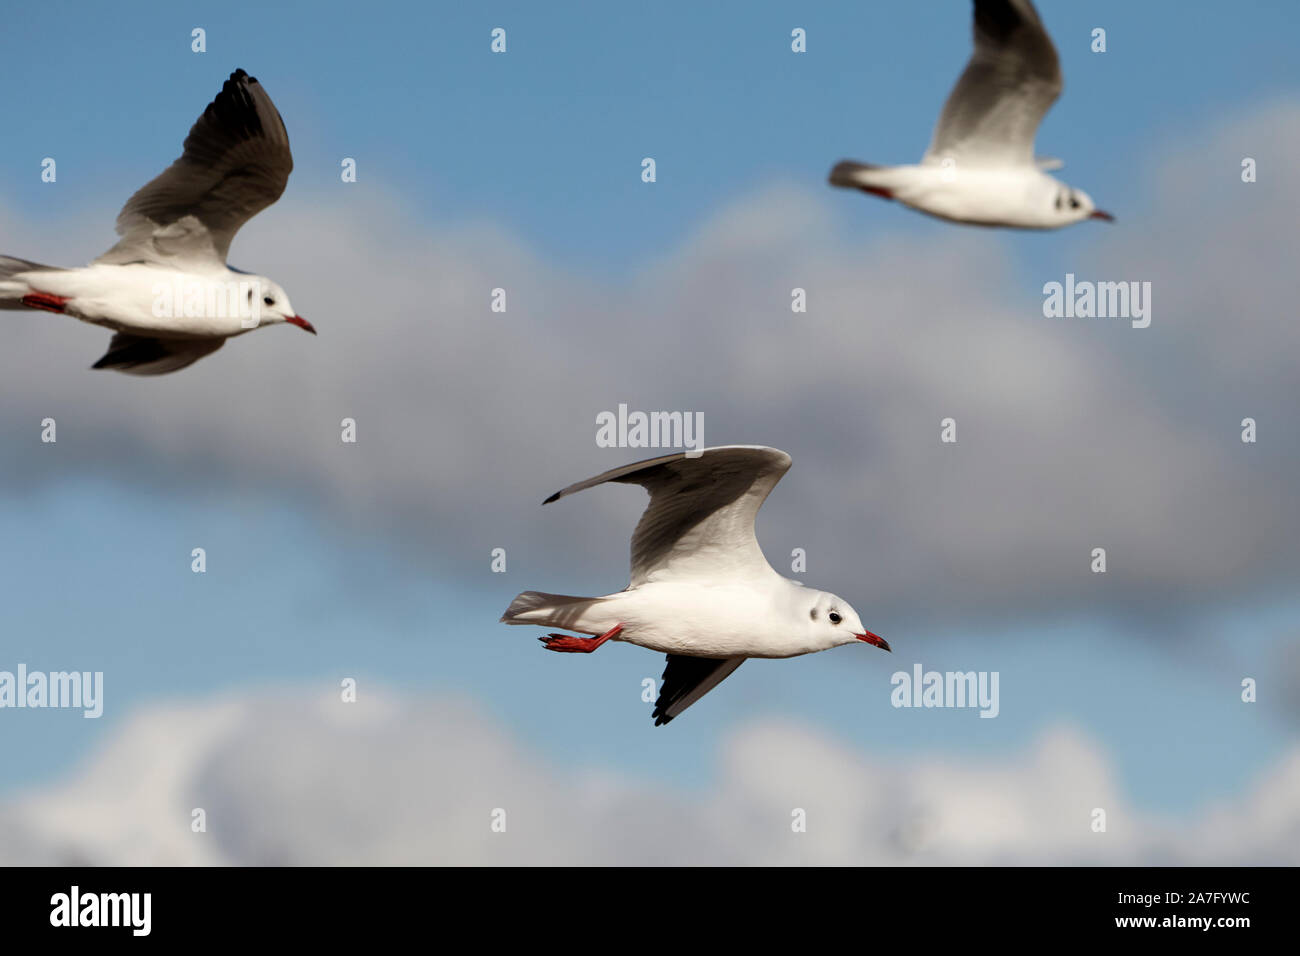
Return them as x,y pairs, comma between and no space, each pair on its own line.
268,300
1074,203
835,617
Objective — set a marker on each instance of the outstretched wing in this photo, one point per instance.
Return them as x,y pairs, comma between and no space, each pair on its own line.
700,520
1011,81
686,680
236,162
141,355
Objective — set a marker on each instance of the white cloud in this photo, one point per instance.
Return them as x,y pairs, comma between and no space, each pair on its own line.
289,778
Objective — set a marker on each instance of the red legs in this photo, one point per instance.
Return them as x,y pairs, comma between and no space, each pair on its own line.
877,191
45,300
578,645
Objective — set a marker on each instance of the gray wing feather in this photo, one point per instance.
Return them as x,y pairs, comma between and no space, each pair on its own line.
686,680
700,519
236,162
1010,82
141,355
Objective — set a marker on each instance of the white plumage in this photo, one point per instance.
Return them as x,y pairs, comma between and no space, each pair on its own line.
700,589
980,167
165,288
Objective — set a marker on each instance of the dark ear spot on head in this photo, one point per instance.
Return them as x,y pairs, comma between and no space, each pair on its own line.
813,612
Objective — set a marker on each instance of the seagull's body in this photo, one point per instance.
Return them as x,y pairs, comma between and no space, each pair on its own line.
122,297
701,590
980,168
746,618
165,288
1017,196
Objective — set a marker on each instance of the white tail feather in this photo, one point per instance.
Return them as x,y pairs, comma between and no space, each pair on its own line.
548,610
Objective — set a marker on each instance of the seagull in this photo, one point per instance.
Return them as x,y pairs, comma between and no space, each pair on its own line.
701,590
980,167
165,289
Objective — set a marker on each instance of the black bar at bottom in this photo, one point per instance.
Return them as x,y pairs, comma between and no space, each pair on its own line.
305,905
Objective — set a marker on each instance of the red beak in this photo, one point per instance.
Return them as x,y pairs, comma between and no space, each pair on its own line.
302,323
875,640
1099,214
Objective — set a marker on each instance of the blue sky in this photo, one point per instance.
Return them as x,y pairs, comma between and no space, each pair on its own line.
313,604
545,143
549,137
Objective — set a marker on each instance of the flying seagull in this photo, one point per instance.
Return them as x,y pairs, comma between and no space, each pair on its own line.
980,167
701,590
165,289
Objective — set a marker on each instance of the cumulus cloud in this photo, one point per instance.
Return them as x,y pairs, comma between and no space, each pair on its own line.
289,778
1073,434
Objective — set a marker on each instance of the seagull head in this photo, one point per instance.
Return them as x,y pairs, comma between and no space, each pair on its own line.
834,622
1074,205
274,307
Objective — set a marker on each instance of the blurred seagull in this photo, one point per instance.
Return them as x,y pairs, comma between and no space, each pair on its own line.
165,288
701,590
980,167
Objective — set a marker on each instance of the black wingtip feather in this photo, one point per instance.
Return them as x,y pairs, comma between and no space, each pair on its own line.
132,352
234,108
554,497
1000,18
682,675
658,714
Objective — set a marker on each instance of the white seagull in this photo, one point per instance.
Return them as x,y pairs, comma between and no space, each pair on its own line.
980,167
165,288
701,590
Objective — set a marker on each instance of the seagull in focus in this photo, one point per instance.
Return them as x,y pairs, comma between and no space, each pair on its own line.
165,289
980,167
701,590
